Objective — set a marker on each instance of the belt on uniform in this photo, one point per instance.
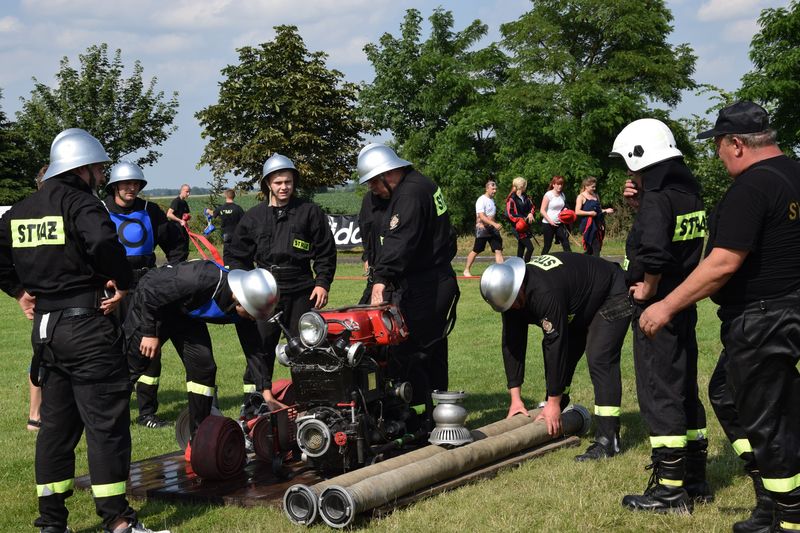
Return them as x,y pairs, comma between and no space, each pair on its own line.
781,302
78,311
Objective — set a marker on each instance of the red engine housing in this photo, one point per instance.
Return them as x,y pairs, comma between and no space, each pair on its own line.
371,325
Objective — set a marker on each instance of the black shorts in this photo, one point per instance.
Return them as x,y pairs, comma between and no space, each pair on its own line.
495,242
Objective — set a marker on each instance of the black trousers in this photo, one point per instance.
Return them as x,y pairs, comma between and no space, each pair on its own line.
524,248
755,389
666,382
259,339
193,343
425,301
86,387
549,232
602,342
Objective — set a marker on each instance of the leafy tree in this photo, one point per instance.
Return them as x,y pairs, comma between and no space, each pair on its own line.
282,98
775,81
434,97
582,70
125,114
17,167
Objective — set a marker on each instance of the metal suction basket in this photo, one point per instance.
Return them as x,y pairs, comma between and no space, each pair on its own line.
449,416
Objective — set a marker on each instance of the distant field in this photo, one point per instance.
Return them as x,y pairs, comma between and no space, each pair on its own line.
335,203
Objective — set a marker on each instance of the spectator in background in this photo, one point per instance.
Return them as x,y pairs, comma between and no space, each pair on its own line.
231,214
519,210
487,229
178,213
553,202
593,225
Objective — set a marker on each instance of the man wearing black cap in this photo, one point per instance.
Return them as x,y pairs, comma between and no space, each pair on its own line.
751,270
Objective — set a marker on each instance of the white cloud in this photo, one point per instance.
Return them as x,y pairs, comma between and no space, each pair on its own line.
10,24
714,10
741,31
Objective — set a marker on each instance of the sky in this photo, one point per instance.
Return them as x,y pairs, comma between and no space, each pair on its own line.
185,44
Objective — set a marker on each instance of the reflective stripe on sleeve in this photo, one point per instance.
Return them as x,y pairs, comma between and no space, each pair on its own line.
249,388
741,446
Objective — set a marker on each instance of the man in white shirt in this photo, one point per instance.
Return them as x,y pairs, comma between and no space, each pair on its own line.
487,229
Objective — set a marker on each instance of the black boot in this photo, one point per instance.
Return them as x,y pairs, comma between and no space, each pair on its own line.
606,442
787,512
661,496
761,518
695,480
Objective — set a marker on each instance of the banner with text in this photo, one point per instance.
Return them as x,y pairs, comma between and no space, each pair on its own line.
345,231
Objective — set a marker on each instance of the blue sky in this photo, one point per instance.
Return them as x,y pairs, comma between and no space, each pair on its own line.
185,43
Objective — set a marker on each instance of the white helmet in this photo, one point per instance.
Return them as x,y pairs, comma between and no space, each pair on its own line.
645,142
500,283
375,159
256,290
125,171
277,162
73,148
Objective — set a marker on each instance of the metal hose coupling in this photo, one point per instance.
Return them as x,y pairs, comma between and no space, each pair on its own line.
300,504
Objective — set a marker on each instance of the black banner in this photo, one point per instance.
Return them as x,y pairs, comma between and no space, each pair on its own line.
346,233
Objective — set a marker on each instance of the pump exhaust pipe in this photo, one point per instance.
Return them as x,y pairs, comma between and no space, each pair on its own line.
339,505
300,502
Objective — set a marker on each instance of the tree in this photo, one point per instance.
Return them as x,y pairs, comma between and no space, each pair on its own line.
433,96
775,81
282,98
123,114
17,166
582,70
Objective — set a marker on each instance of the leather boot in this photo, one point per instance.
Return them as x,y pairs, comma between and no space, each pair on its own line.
763,514
787,512
695,480
665,492
606,442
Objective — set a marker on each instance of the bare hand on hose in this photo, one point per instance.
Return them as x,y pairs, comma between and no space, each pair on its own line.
271,402
551,414
108,305
149,347
517,408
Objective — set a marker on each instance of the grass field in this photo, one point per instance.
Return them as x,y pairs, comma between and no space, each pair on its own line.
552,493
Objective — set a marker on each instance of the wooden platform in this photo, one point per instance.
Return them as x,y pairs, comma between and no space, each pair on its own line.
168,477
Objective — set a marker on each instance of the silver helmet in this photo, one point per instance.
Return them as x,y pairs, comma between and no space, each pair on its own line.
125,171
500,283
645,142
256,290
376,159
73,148
277,162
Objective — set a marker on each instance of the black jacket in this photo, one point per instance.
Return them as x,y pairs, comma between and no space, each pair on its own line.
286,241
60,245
174,290
667,234
563,293
416,231
164,234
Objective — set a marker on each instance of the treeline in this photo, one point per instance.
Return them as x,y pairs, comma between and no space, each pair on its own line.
546,99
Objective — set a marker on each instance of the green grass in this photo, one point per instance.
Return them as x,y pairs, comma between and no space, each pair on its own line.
552,493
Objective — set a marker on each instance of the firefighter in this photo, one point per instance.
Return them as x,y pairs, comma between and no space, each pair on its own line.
663,246
60,247
413,265
751,270
231,213
284,235
373,209
175,302
581,303
141,225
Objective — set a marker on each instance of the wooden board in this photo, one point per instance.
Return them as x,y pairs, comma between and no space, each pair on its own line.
168,477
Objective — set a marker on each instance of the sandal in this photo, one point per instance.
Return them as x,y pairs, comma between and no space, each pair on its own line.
34,425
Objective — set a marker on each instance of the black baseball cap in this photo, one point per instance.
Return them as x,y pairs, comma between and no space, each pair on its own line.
741,117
